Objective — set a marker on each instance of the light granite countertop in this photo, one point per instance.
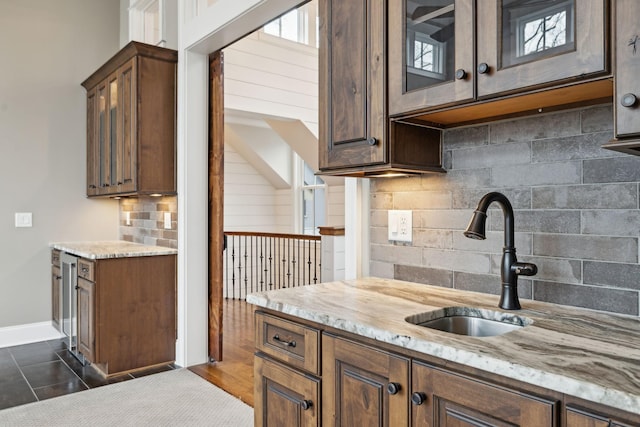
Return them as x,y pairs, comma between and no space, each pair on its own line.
111,249
583,353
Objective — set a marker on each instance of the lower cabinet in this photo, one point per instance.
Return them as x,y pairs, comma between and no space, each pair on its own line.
283,396
441,398
86,318
127,312
363,386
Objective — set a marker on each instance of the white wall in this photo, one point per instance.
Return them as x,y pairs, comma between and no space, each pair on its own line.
48,48
251,203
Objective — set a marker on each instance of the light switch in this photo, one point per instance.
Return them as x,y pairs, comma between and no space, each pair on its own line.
400,225
167,220
24,219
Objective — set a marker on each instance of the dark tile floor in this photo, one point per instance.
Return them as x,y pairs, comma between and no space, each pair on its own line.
43,370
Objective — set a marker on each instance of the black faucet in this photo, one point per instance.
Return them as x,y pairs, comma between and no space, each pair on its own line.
510,268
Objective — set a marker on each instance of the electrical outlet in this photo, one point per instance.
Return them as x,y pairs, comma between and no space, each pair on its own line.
127,218
167,220
400,225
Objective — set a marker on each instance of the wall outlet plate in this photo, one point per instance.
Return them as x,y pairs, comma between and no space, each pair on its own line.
167,220
400,225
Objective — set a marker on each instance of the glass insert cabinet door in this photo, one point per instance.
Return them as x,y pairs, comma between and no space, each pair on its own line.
541,42
431,53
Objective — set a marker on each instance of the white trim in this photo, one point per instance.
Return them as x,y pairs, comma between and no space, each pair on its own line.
28,333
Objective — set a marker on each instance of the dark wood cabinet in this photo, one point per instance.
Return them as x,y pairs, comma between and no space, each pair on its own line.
469,60
283,396
626,104
356,136
56,290
127,312
357,382
363,386
441,398
86,318
131,123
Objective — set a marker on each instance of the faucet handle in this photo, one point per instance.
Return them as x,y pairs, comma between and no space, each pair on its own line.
524,268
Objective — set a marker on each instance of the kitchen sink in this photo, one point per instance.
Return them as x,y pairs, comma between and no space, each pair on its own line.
470,321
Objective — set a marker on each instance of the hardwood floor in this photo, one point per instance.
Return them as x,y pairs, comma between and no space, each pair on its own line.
234,373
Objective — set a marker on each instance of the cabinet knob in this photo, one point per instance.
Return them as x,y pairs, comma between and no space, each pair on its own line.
306,404
393,388
418,398
372,141
483,68
628,100
461,74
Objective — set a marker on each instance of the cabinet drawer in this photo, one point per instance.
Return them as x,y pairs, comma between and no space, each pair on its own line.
295,344
55,257
85,269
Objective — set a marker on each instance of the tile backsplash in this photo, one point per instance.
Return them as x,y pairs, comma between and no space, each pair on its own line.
146,215
576,212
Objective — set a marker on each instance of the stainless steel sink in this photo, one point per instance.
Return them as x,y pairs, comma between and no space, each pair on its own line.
469,321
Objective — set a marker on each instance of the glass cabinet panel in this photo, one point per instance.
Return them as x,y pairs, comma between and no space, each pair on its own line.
430,43
113,131
102,133
532,29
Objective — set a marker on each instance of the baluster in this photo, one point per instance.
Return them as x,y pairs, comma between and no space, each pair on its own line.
233,268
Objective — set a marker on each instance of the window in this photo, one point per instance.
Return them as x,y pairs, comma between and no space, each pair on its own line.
295,25
544,30
425,56
532,29
313,201
146,21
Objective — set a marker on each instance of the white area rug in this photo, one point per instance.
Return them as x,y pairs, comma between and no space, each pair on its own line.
174,398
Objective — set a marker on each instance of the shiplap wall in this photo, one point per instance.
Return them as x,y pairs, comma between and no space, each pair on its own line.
279,78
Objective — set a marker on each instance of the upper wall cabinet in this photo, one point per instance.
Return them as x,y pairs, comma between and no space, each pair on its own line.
449,52
356,136
627,85
131,123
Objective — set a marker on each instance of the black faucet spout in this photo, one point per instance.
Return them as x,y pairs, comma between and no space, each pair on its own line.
510,268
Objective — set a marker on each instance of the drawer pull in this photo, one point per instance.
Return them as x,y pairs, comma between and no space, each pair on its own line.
85,270
285,343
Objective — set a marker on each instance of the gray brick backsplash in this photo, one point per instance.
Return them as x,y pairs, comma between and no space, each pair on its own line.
611,222
597,119
429,276
540,221
616,169
492,156
537,174
397,254
465,137
453,179
493,244
470,262
422,200
576,212
488,284
605,248
443,218
381,201
594,196
536,127
465,198
595,297
551,269
577,147
612,274
147,221
439,239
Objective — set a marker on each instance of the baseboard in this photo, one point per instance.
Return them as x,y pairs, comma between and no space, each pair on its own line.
25,334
